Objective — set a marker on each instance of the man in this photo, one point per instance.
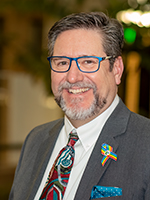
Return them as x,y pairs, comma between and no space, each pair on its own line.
112,153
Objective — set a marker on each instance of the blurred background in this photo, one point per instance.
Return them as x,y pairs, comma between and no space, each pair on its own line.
26,99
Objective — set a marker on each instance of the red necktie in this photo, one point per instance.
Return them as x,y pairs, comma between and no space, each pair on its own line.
60,172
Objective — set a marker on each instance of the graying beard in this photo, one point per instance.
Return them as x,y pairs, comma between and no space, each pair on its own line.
77,113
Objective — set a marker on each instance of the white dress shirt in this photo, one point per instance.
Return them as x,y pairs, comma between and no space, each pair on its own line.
88,135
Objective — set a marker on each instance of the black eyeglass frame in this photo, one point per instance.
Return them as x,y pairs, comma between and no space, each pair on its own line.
76,59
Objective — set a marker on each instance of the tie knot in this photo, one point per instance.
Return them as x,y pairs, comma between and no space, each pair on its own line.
73,138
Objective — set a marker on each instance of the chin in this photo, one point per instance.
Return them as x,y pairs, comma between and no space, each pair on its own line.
78,110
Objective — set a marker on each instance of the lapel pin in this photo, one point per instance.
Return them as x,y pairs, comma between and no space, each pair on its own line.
107,152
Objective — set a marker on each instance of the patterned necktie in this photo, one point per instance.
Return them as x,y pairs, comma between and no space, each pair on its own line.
60,172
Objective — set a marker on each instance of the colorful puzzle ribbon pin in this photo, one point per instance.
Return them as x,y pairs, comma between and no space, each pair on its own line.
107,152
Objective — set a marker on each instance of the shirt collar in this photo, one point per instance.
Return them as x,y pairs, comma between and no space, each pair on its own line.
89,132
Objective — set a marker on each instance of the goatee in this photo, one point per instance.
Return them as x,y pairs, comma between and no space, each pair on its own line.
79,113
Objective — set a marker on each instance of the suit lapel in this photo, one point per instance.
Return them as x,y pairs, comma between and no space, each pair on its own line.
42,159
115,126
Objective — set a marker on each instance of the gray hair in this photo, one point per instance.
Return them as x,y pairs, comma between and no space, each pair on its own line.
110,29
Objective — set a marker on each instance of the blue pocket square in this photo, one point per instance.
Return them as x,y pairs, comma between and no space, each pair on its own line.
101,192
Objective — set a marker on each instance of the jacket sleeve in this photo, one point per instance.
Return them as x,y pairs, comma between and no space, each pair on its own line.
11,195
147,192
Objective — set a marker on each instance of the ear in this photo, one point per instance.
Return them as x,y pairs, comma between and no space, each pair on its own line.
118,69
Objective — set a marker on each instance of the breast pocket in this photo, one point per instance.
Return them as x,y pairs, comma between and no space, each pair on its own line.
99,192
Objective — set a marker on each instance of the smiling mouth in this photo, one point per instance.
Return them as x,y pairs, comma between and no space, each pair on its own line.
78,91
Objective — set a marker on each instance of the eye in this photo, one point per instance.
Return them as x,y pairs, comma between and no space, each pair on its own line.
61,62
89,61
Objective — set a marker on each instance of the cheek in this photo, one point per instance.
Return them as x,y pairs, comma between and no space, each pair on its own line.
54,84
104,84
97,79
56,80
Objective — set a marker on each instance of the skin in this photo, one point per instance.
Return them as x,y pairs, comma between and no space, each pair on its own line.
82,42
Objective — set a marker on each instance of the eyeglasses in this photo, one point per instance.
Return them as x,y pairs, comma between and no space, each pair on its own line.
86,64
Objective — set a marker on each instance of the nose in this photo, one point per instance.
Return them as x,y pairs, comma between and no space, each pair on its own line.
74,74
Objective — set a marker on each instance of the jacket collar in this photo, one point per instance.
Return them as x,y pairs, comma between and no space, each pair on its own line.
115,126
42,159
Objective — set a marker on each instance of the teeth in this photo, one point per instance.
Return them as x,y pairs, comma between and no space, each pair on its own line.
77,91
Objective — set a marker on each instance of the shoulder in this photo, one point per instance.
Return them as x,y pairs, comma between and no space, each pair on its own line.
38,136
41,133
139,130
44,130
140,122
134,121
47,126
136,125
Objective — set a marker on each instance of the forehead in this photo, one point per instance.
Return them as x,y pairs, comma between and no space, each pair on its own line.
80,41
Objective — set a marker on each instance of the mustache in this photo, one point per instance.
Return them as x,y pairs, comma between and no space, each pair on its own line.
67,85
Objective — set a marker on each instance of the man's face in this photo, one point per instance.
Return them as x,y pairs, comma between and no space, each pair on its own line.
83,96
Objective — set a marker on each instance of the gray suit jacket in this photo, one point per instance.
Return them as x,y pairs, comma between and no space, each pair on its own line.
128,134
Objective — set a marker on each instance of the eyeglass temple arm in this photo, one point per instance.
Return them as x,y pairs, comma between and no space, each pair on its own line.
108,57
